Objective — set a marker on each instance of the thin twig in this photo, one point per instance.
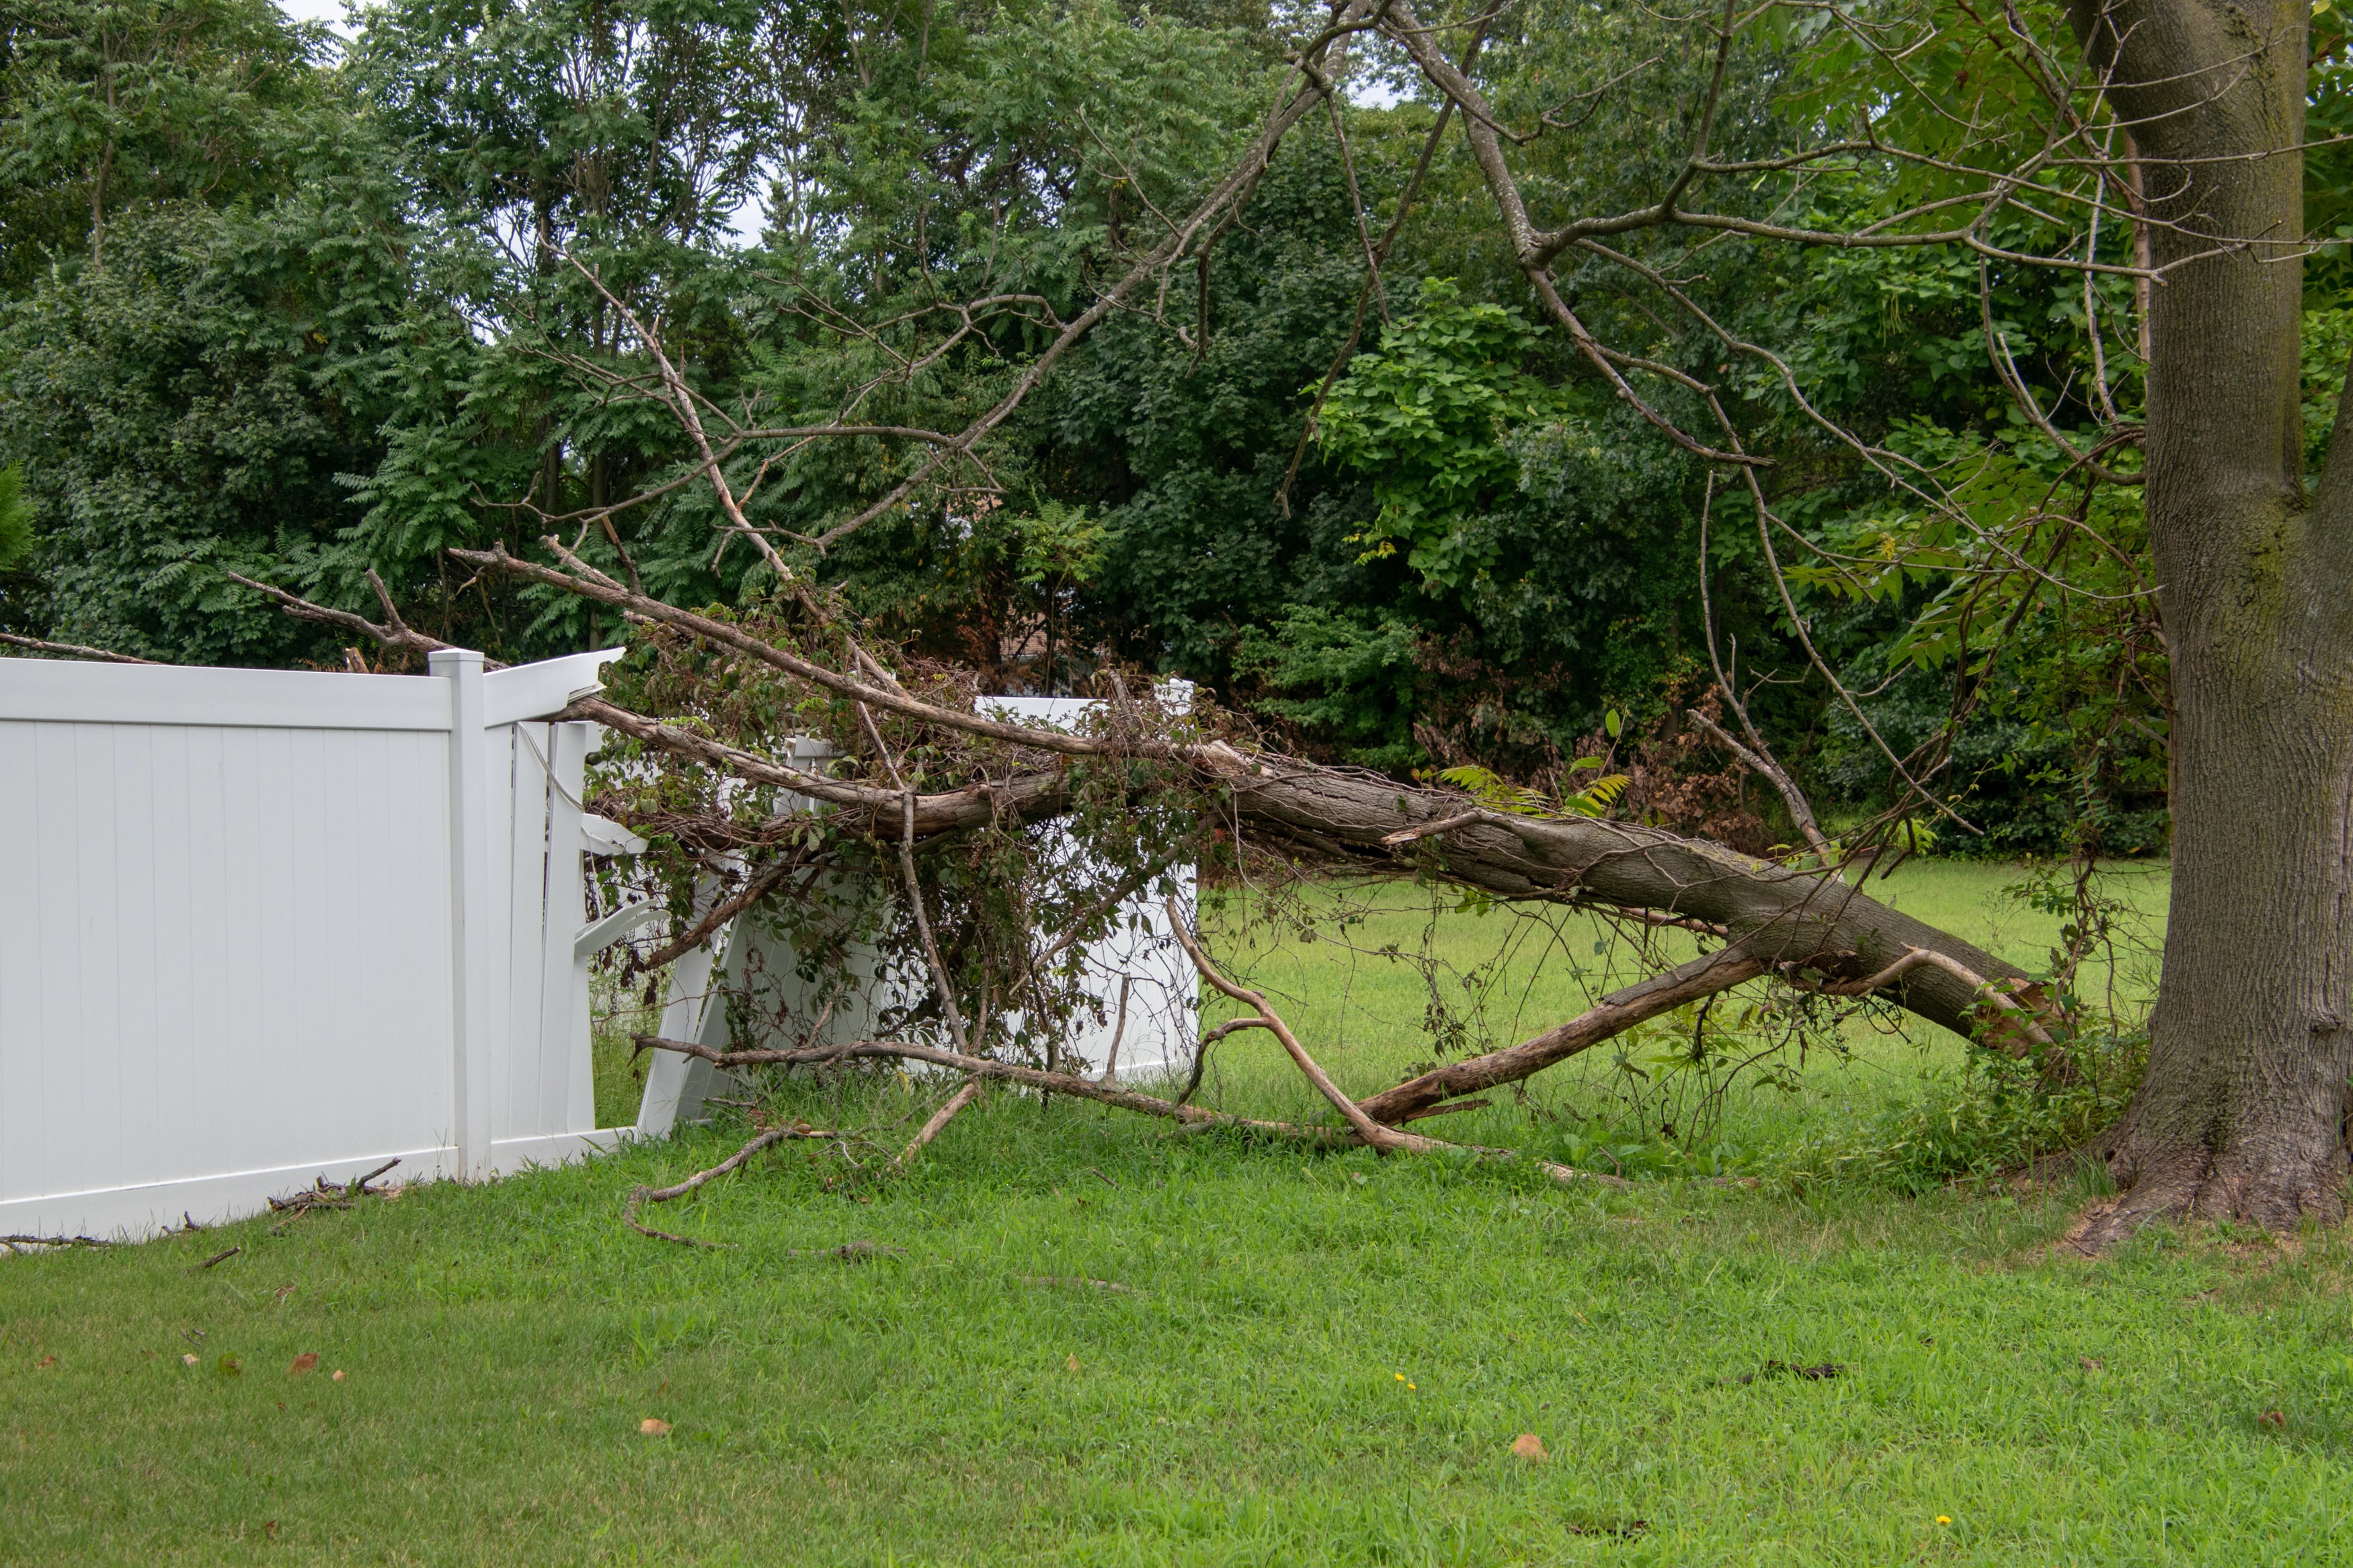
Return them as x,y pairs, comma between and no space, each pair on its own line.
1371,1131
1111,1285
14,1242
940,980
643,1194
1110,1062
358,1187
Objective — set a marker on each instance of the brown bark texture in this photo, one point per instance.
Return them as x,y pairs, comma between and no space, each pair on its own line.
2241,1113
1772,915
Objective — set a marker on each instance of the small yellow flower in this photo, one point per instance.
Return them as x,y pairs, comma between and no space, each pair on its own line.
1400,1377
1410,1385
1943,1519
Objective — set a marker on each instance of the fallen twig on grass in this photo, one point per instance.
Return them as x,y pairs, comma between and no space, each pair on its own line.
18,1243
324,1194
848,1252
358,1188
1566,1174
640,1195
981,1067
217,1257
1111,1285
1771,1368
940,1118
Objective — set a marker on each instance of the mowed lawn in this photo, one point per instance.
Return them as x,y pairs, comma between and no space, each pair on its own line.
1080,1340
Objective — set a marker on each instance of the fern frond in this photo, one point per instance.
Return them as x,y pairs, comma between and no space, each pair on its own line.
1599,796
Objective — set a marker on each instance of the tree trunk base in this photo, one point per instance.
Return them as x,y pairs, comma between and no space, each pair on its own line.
2188,1182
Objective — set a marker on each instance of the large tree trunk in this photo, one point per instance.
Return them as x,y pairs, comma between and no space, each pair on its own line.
1808,925
1771,913
2242,1111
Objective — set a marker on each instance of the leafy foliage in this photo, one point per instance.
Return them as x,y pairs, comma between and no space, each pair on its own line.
266,311
16,518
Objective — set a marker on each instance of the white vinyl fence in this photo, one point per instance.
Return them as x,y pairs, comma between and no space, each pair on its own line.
262,927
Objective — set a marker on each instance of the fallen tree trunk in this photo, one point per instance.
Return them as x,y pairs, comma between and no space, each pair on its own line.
1776,916
1807,924
1780,916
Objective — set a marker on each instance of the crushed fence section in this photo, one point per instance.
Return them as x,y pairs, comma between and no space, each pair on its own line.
264,928
1146,1021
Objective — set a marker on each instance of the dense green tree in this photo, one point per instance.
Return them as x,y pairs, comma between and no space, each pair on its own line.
204,249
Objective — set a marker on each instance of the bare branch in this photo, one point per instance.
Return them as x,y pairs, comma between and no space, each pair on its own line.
1613,1014
396,635
941,980
1372,1132
642,1194
71,650
940,1118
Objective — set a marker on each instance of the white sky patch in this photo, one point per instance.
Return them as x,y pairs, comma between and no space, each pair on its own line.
331,12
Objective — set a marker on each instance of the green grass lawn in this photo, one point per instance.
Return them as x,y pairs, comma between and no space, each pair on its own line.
1315,1358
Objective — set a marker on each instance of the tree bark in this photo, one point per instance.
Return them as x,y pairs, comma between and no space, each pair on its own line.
1773,914
2241,1113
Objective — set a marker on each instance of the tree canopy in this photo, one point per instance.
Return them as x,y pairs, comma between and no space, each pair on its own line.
298,311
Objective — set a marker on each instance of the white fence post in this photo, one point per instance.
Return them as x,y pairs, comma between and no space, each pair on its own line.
474,950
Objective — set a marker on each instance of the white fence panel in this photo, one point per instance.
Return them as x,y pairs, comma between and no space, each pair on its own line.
1155,1027
252,931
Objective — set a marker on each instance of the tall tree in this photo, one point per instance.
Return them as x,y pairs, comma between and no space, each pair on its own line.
2244,1111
